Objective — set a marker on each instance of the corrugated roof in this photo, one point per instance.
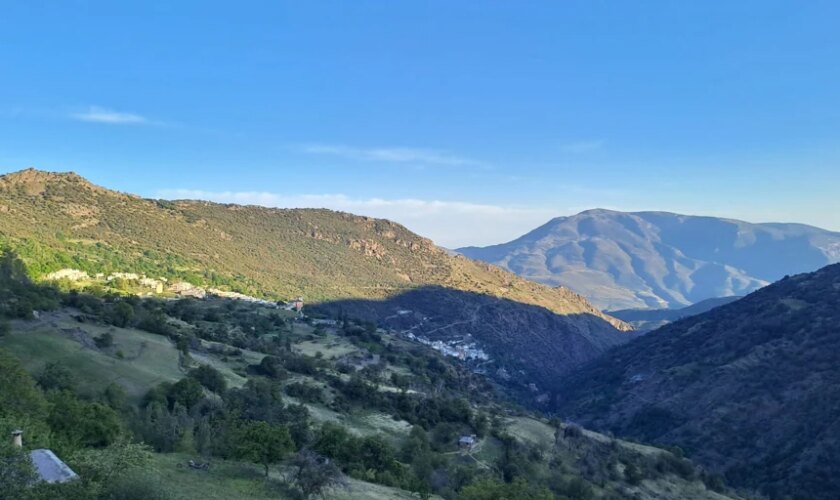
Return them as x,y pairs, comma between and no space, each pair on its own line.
50,468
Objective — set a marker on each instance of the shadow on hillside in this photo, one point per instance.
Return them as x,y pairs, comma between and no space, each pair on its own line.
521,337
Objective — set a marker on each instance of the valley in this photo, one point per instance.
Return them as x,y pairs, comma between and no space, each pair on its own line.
429,250
191,325
322,379
645,320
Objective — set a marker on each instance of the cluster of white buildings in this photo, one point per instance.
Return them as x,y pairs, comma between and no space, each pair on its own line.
78,275
155,284
240,296
159,285
185,289
455,348
325,322
67,274
124,276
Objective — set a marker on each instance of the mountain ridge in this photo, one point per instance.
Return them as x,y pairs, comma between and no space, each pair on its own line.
57,221
749,388
650,319
626,260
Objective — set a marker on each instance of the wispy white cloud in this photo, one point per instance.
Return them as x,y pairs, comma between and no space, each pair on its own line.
96,114
392,155
582,146
449,223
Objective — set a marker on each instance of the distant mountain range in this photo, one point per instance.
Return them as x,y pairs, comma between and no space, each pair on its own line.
751,389
61,221
659,260
644,320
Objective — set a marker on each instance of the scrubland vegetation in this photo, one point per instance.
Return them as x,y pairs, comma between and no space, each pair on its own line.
278,407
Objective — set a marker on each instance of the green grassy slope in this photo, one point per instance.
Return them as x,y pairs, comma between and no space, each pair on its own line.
150,359
230,480
145,359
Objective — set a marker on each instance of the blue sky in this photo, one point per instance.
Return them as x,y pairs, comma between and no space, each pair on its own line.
468,121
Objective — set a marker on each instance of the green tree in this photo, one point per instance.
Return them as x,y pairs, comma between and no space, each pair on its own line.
78,423
105,340
186,392
263,443
19,396
120,284
376,454
105,464
56,376
115,396
158,395
271,366
632,474
211,378
12,269
16,473
578,489
122,314
315,474
336,442
5,327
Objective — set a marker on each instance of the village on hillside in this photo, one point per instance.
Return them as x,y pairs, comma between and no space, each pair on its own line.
463,349
145,286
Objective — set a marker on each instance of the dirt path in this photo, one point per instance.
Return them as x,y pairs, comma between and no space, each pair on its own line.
473,318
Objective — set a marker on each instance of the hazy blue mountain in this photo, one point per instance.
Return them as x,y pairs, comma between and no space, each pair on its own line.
645,320
660,260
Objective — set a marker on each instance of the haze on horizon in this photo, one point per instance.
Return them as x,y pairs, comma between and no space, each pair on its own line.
469,123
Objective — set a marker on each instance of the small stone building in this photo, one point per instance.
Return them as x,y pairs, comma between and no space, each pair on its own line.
48,467
466,442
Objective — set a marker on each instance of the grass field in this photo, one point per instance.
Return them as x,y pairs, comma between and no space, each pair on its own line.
232,480
663,488
330,346
535,431
146,359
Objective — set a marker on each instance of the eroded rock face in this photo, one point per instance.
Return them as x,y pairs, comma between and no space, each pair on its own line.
369,248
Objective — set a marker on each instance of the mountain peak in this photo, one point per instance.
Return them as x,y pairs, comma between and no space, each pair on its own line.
631,260
33,174
34,181
598,211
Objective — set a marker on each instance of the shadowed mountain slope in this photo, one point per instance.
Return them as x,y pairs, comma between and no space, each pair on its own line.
57,221
660,260
644,320
751,388
553,346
